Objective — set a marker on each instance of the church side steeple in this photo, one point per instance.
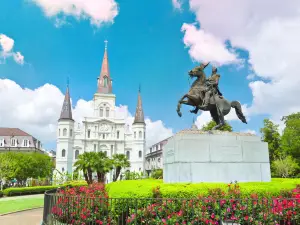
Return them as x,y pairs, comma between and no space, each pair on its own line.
104,79
139,113
66,111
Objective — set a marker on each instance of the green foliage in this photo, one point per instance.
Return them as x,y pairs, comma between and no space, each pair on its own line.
1,194
284,167
90,162
143,188
132,175
270,134
291,136
24,165
39,189
119,162
157,174
212,123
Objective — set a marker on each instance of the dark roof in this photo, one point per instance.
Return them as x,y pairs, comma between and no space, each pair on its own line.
5,131
66,111
139,113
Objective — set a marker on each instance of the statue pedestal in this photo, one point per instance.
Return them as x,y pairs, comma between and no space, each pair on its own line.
194,156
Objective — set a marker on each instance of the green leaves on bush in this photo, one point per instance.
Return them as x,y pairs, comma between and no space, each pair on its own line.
38,189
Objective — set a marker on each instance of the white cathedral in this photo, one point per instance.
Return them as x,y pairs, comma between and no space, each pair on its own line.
105,131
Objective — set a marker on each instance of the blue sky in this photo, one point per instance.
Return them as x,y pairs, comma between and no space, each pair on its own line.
145,46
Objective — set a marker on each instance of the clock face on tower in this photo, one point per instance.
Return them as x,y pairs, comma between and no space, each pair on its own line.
103,127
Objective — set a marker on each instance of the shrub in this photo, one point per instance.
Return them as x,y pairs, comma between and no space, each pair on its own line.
157,174
38,189
1,194
82,205
209,210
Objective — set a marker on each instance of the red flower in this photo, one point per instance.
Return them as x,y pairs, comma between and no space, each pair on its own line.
246,218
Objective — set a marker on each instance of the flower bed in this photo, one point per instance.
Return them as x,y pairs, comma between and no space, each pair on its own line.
221,206
91,205
82,205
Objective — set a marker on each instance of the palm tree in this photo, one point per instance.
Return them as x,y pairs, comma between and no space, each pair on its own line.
85,163
119,161
102,166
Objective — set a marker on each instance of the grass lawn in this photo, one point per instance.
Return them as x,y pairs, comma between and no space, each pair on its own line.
15,204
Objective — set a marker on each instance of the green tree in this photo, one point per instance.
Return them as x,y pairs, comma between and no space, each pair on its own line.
291,136
157,174
212,123
270,134
284,167
119,161
84,163
102,166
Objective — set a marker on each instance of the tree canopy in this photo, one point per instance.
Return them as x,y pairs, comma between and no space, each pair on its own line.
24,165
212,123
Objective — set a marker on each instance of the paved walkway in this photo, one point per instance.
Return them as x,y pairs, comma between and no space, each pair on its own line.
21,197
29,217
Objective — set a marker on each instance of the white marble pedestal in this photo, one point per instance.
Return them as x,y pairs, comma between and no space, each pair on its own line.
195,156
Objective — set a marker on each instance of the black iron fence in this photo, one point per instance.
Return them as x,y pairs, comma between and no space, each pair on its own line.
62,209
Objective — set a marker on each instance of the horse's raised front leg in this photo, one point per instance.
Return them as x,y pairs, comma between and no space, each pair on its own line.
179,105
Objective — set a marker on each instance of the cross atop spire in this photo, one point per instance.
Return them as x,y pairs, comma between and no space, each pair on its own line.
106,41
104,80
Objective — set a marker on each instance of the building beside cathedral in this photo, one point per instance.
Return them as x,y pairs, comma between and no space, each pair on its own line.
106,131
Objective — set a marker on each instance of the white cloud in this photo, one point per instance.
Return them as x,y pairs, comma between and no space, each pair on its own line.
19,58
205,46
36,111
177,4
269,31
6,50
97,11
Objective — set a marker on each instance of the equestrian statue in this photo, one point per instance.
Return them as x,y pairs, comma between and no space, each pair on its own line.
205,95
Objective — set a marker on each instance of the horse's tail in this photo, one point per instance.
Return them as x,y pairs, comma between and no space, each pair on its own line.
238,110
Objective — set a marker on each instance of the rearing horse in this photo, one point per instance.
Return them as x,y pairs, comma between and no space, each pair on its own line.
218,106
196,93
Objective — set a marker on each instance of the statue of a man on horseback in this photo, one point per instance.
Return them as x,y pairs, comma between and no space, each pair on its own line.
204,94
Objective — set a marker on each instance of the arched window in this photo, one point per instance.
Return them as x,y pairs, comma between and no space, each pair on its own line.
71,132
140,134
58,132
101,112
105,81
128,155
118,134
140,154
76,154
65,132
134,134
62,169
63,153
144,135
105,153
107,112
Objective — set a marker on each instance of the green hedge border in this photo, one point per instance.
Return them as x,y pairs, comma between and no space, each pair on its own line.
37,189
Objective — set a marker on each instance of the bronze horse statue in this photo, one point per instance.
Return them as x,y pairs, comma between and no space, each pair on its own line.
218,106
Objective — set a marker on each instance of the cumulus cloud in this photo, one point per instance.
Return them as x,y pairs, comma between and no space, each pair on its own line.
97,11
6,50
249,131
177,4
36,111
205,46
269,31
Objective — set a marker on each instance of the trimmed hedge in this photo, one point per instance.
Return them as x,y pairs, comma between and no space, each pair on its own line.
143,188
38,189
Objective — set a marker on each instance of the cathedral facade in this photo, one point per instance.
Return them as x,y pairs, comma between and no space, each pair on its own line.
106,131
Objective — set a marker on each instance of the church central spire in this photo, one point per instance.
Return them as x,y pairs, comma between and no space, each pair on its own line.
139,113
104,80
